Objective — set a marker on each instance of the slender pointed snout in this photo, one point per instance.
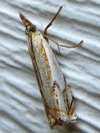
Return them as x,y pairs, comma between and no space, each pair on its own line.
25,21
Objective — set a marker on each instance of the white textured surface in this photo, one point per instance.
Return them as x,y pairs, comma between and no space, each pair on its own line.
21,107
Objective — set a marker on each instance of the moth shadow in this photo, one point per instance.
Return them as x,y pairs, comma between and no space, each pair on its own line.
71,128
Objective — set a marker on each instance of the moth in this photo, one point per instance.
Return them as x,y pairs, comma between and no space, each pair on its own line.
57,98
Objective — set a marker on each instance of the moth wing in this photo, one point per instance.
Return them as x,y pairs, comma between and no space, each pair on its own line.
69,103
56,111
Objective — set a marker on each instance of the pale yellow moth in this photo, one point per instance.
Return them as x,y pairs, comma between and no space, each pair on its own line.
56,95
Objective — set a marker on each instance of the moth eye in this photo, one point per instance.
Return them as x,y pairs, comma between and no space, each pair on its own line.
32,28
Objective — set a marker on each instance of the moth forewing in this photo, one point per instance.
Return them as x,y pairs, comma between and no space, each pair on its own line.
51,81
56,95
69,103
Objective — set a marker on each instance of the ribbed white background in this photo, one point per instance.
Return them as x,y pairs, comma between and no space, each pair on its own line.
21,107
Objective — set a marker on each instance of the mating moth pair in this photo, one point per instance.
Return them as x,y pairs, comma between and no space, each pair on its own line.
56,95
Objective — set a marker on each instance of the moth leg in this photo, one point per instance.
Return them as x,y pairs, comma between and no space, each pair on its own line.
48,37
45,30
73,46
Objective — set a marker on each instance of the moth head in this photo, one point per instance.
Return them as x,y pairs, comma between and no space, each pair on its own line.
29,26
